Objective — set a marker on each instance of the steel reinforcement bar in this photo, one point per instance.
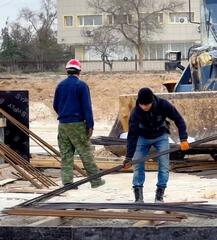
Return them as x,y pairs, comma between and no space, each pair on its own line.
37,139
108,171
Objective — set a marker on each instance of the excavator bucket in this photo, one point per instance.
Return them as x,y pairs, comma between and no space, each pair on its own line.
199,109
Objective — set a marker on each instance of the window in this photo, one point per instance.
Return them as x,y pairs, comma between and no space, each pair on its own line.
90,20
156,17
153,52
68,21
181,17
157,51
119,19
110,19
160,18
183,47
160,51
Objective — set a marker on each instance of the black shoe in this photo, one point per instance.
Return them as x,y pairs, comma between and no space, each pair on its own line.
159,196
138,193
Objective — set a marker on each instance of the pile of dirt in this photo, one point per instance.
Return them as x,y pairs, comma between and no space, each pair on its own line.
105,90
104,154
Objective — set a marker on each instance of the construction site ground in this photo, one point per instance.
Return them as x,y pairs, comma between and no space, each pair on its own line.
105,90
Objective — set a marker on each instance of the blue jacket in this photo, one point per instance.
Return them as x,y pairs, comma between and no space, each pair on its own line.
72,102
153,124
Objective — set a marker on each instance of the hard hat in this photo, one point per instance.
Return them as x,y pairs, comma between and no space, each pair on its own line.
73,63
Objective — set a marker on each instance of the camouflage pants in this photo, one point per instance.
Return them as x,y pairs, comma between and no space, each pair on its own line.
71,137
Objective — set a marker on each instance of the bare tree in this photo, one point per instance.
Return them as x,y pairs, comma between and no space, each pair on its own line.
41,23
34,40
104,42
136,20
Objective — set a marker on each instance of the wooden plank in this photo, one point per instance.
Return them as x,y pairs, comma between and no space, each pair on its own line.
28,190
4,165
6,181
196,168
48,222
7,172
207,173
94,214
192,164
181,165
21,171
143,223
103,165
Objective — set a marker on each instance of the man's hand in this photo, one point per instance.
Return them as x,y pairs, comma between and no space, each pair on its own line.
127,163
184,145
89,133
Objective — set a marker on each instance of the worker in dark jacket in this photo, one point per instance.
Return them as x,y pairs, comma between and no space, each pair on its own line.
147,128
72,104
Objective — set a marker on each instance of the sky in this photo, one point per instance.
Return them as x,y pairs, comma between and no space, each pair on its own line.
11,8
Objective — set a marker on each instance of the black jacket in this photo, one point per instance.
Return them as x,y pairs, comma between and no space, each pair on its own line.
152,124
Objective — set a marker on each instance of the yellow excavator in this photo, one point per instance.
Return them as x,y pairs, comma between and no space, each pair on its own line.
194,94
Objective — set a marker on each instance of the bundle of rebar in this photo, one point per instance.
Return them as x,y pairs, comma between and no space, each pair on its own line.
108,141
47,147
176,217
197,208
118,142
108,171
174,210
25,169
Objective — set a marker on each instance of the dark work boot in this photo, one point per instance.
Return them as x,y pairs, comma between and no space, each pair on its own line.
138,193
159,195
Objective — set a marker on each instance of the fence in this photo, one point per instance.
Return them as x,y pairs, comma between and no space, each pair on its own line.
87,66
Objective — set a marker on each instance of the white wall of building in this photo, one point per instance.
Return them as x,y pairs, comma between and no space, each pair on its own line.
177,33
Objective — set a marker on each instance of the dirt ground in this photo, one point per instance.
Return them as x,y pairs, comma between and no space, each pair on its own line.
105,90
181,187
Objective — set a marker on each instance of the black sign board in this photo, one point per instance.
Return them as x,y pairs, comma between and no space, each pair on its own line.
16,103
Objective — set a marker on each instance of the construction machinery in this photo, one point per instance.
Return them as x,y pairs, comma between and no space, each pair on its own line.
200,74
194,94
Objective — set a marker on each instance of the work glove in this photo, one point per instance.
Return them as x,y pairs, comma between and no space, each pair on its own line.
127,163
184,145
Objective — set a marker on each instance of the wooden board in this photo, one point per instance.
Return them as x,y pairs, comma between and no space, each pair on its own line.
6,181
103,165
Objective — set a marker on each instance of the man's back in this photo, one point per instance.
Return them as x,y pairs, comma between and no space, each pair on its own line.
72,101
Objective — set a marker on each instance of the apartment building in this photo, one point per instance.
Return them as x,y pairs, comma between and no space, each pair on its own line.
177,34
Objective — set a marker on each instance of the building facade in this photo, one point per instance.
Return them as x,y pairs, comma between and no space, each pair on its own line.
177,34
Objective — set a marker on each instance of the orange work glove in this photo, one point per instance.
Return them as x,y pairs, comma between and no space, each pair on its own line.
184,145
127,163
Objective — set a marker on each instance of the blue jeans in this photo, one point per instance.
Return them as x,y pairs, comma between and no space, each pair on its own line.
143,146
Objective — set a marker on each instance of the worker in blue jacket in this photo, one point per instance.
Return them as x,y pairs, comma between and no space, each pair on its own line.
72,103
148,127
